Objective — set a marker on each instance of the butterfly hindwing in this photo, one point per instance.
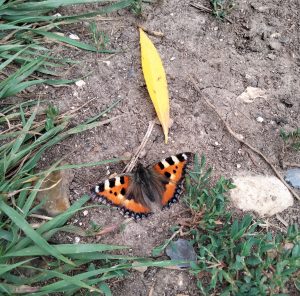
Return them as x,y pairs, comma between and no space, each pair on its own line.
173,168
113,191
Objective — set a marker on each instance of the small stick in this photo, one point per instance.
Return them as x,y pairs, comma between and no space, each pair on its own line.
292,164
154,33
41,217
134,159
196,87
282,220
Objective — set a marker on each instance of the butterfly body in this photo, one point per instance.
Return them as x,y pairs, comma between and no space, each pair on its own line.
135,194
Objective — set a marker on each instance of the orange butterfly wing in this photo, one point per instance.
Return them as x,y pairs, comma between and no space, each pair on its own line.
113,191
173,168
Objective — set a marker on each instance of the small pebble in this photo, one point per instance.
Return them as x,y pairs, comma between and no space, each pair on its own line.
85,212
292,176
259,119
76,239
172,59
275,45
238,166
271,56
74,37
107,63
80,83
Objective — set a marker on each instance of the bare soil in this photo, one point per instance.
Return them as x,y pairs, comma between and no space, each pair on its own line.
260,48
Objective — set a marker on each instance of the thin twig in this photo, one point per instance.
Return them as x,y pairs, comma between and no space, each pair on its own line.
150,32
41,217
196,87
134,159
292,164
286,224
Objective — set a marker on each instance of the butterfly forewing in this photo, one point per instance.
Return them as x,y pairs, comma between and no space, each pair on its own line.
173,168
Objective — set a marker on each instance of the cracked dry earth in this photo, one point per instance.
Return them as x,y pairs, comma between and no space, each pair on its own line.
260,49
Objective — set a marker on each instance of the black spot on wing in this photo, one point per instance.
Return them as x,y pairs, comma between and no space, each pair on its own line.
101,187
122,180
123,191
170,161
167,174
180,157
112,182
161,166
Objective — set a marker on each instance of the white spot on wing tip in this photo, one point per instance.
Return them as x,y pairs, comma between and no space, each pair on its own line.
175,159
165,163
106,185
117,183
96,188
184,156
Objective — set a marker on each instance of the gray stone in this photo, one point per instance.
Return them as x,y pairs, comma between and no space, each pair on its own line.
292,176
181,250
266,195
275,45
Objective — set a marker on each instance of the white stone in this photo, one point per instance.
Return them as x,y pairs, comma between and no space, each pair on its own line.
74,37
172,59
80,83
252,93
85,212
259,119
238,166
266,195
107,63
76,239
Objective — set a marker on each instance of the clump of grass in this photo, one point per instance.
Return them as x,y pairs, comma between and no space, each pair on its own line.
221,8
235,256
26,35
291,139
25,140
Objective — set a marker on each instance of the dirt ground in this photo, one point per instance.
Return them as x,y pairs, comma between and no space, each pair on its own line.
260,48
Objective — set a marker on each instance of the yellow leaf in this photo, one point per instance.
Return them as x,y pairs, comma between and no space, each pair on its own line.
156,81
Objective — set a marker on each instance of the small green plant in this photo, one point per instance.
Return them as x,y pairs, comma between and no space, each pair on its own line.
221,8
52,113
291,139
136,7
100,38
235,256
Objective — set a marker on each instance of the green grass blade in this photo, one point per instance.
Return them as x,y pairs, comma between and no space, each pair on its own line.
57,221
33,235
72,42
65,249
7,267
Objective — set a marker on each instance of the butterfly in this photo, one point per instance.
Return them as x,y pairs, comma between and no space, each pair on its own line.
161,183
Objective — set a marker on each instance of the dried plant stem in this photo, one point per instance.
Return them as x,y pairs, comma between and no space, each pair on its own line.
196,87
134,159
